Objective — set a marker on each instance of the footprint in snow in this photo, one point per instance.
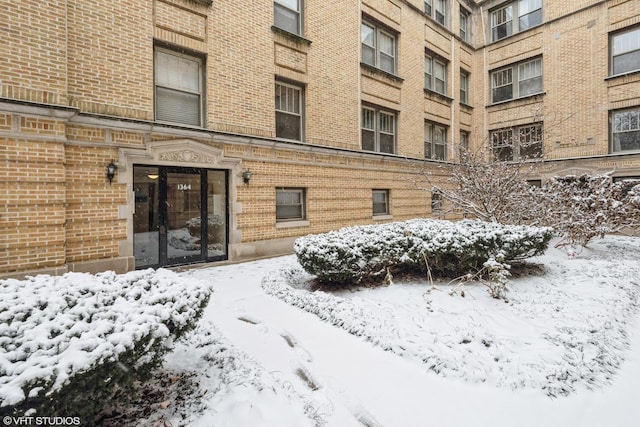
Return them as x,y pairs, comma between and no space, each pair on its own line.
293,343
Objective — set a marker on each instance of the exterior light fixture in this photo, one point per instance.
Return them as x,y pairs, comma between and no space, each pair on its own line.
246,176
111,171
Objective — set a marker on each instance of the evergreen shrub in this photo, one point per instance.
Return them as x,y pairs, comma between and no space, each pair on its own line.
353,254
70,345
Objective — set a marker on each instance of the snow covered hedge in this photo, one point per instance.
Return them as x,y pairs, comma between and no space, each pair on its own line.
69,344
352,254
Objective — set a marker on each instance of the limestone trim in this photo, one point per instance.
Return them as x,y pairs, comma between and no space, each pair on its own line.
182,152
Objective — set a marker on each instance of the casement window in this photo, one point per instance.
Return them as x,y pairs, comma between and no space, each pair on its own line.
437,9
380,200
290,204
517,81
379,47
503,24
435,74
288,15
517,143
464,24
464,87
378,130
625,130
178,87
625,51
289,111
435,141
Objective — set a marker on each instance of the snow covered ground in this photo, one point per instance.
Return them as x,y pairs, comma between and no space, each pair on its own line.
270,352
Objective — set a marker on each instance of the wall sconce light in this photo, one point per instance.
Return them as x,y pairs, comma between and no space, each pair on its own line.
246,176
111,171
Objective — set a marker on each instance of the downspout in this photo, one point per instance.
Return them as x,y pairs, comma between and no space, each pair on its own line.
359,83
453,92
66,52
485,77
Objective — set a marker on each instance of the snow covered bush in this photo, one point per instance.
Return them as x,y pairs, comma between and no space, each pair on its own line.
352,254
582,207
577,207
483,187
70,344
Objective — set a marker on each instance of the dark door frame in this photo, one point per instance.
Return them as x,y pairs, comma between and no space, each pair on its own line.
163,217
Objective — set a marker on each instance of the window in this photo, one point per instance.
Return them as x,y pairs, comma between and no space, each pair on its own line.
287,15
437,9
517,143
435,141
464,87
625,51
625,130
178,87
441,11
529,13
464,140
435,74
464,24
380,202
290,204
436,201
378,130
378,47
289,111
502,22
516,81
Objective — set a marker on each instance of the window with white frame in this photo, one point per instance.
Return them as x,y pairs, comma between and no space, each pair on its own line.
464,87
528,13
625,130
437,9
380,199
288,15
435,74
517,143
178,87
502,22
289,111
378,47
625,51
464,24
378,130
290,204
435,141
516,81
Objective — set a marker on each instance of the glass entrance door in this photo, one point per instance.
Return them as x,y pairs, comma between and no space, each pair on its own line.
180,215
182,223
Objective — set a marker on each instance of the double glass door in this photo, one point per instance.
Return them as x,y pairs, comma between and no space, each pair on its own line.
180,215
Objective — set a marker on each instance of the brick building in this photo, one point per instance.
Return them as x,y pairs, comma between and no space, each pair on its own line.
235,128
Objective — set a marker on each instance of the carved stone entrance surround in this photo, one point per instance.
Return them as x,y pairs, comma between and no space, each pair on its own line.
183,153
